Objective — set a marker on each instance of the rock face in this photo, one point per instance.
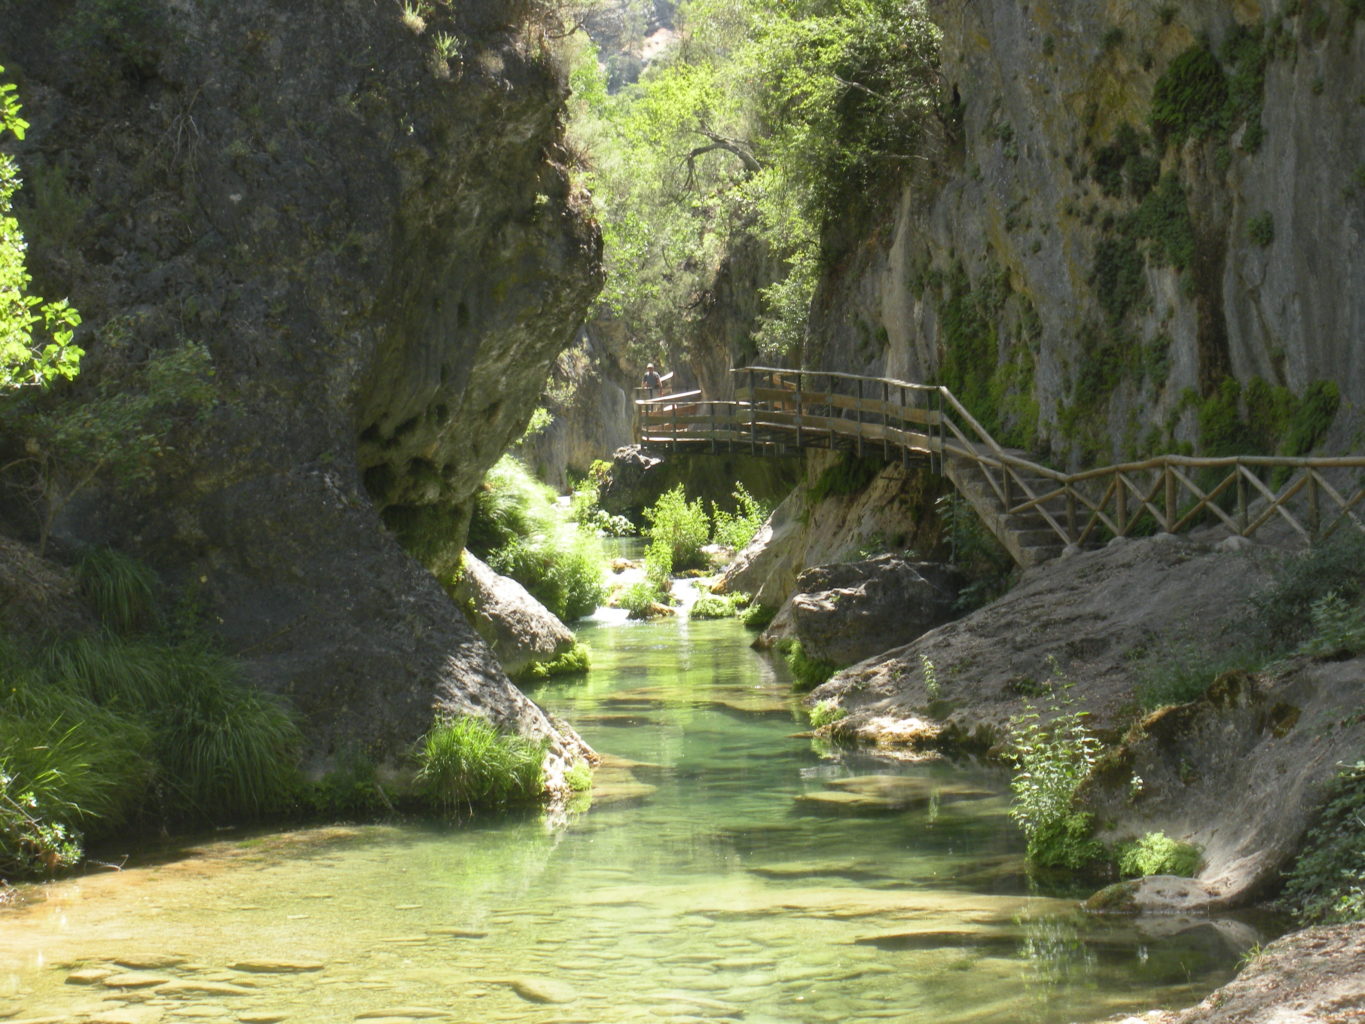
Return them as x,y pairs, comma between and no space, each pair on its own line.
1132,206
1237,772
819,524
848,611
1314,975
377,241
519,628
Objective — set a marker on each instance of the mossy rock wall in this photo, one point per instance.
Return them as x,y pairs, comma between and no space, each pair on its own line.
379,244
1130,206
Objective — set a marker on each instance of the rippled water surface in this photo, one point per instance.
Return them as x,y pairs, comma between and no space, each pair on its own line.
727,870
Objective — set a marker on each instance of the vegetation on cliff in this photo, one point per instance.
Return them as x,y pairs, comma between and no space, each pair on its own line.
768,121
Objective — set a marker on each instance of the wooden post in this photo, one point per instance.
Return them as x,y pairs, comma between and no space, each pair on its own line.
1241,498
753,414
860,420
905,451
798,410
711,407
1121,503
1169,525
1314,512
886,440
1070,515
674,407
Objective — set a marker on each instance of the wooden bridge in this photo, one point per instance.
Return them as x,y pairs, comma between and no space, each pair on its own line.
1035,511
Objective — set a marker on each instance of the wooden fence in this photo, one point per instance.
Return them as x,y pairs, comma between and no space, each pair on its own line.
779,412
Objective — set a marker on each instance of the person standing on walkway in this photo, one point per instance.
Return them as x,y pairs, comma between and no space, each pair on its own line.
652,381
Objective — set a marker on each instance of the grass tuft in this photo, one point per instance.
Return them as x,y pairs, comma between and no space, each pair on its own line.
466,762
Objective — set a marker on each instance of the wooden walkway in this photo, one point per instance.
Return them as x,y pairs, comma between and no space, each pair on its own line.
1035,511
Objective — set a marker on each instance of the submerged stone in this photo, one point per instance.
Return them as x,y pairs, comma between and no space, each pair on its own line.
542,990
277,966
88,976
135,979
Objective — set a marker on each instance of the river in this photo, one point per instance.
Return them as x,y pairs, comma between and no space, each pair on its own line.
727,869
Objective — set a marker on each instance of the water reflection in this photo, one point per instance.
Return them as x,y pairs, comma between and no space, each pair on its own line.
725,871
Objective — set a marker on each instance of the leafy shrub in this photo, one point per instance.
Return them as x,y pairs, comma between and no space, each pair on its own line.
1327,882
1158,854
1182,673
759,616
735,530
466,762
576,659
678,527
1189,95
807,672
826,712
1338,628
1283,608
578,777
518,529
1053,752
713,606
642,599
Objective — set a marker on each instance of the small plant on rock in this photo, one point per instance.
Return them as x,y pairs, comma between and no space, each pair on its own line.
1158,854
1054,751
466,762
826,712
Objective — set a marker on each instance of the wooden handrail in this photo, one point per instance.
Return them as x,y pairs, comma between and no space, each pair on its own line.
775,411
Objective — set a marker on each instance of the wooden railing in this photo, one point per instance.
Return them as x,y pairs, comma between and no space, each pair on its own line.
777,411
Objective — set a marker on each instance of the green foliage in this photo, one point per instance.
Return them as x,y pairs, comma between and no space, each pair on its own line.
643,600
1053,752
1338,628
351,790
1189,96
1264,419
224,748
575,661
982,559
713,606
465,762
758,616
35,336
66,766
766,124
807,672
519,530
1283,608
1261,229
1158,854
677,532
578,776
1180,673
1196,97
826,712
850,475
735,529
122,590
1326,885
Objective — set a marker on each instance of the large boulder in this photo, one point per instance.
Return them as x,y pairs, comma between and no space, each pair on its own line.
848,611
379,246
519,628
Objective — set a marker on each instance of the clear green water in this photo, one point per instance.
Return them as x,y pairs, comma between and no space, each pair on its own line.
696,888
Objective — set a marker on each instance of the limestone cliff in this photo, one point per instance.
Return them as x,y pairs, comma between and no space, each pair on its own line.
1143,228
367,219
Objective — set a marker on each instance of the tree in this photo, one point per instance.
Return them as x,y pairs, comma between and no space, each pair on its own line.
35,336
770,119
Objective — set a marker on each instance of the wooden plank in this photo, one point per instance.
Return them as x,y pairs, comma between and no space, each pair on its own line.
1205,501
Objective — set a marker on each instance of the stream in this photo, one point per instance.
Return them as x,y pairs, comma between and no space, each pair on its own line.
726,870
